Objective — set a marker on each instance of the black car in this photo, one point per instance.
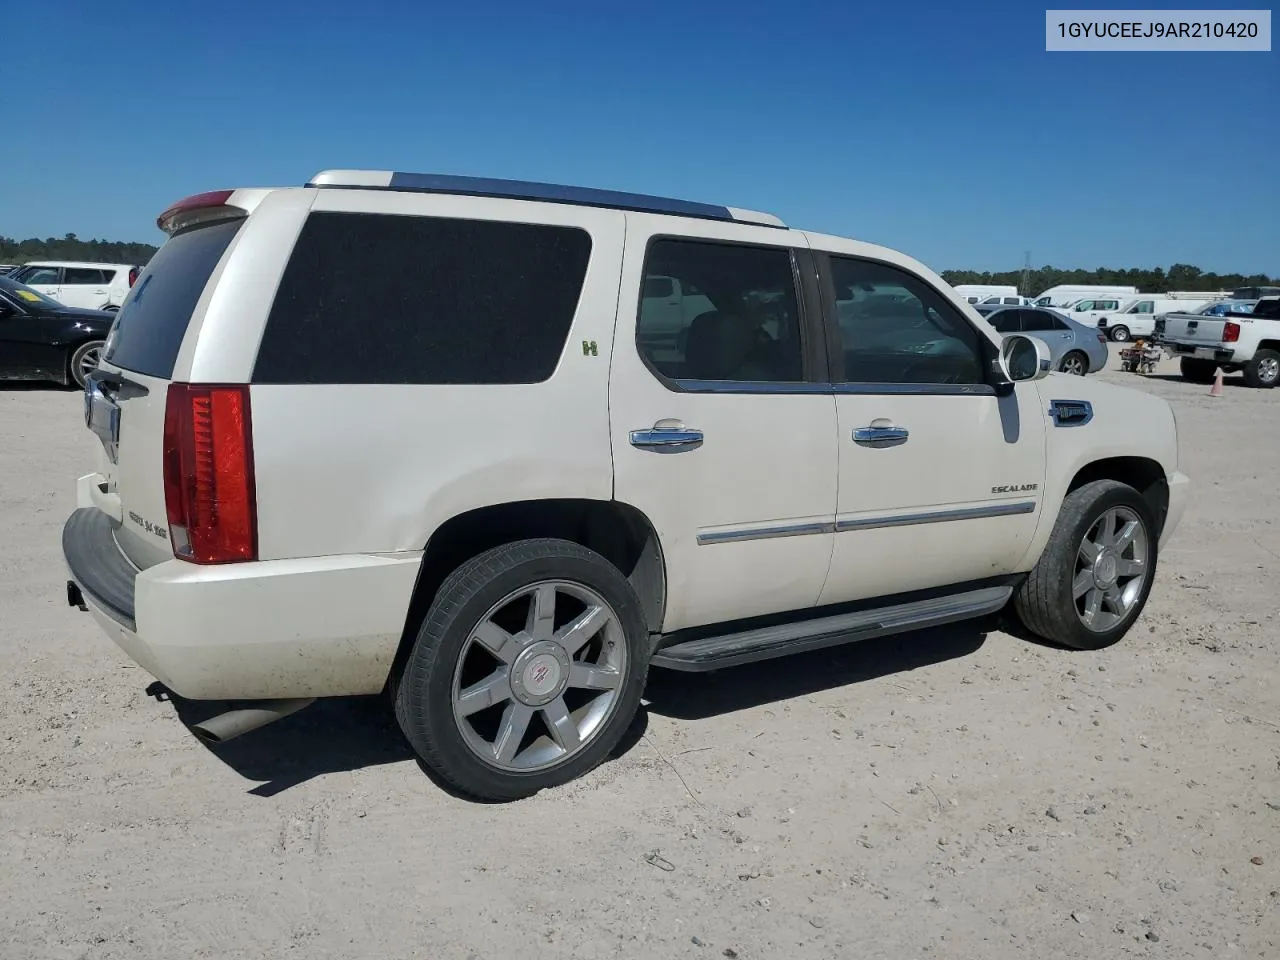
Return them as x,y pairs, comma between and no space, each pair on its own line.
40,339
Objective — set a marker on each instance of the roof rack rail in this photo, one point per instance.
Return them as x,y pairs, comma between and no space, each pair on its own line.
529,190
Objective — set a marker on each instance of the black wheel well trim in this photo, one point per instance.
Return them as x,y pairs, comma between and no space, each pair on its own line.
618,531
1144,474
1269,345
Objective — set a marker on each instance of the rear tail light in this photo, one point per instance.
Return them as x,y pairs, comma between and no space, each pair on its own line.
1230,332
133,276
1102,337
209,489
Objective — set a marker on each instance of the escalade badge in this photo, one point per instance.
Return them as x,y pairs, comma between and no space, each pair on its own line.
1016,488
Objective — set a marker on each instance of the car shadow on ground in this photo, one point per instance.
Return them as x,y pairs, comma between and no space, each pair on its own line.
697,696
1232,381
329,736
345,734
35,386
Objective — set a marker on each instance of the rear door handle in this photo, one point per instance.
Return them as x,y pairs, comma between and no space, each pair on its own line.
667,439
880,436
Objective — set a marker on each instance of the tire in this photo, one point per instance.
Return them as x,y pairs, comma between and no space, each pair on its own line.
1263,371
1119,334
493,596
1075,363
83,359
1198,371
1047,601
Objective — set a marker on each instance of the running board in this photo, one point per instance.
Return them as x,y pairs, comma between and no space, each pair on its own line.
765,643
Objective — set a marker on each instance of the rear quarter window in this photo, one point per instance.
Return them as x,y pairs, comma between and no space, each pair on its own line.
153,319
385,298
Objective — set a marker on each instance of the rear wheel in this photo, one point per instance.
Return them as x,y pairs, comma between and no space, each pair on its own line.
1119,334
1263,370
526,671
1198,371
1095,574
1075,363
84,360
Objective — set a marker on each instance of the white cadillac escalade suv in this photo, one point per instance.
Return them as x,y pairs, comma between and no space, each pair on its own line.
463,441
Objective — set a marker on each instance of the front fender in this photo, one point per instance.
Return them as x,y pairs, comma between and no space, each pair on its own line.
1125,424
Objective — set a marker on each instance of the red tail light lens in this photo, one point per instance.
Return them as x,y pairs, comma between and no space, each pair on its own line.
1230,332
133,276
208,473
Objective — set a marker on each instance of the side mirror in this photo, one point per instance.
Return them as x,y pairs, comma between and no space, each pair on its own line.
1025,358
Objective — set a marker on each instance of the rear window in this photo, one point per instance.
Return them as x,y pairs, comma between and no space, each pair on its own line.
153,319
384,298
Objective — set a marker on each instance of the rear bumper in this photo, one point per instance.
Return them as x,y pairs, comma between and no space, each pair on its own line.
1203,351
1179,493
313,627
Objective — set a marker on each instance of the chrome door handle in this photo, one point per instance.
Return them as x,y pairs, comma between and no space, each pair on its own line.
880,436
666,439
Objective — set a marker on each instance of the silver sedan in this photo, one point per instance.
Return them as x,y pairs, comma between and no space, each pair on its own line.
1074,347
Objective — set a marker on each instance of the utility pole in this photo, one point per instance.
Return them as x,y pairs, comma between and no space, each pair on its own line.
1026,274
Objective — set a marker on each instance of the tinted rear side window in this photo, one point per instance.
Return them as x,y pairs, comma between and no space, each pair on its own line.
153,319
383,298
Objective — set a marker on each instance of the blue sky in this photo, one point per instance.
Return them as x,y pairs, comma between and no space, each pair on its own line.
944,130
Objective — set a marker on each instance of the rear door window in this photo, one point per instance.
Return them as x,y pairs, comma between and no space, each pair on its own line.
154,317
84,276
384,298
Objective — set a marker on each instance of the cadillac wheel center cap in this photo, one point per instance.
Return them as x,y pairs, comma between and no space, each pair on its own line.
1106,570
540,673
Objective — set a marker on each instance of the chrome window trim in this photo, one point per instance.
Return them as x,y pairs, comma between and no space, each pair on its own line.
916,389
838,389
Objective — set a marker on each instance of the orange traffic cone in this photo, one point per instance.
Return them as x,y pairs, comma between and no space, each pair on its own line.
1216,389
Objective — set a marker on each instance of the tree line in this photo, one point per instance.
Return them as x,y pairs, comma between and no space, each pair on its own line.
72,247
1180,276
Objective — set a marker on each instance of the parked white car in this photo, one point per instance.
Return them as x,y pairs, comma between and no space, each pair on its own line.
1244,342
408,433
90,286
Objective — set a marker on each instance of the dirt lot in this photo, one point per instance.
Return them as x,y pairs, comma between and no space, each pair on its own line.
946,794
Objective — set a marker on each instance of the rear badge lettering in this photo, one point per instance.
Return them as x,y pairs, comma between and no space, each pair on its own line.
147,525
1016,488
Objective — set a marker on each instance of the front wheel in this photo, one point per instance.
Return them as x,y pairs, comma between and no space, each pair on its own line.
1095,574
84,360
1119,334
526,671
1263,370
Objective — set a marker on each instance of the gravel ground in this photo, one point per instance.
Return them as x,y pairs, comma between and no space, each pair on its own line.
954,793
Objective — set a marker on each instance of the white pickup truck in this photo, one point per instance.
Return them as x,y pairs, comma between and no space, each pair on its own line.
1247,342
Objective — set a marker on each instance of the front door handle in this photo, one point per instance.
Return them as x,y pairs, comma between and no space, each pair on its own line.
667,439
876,436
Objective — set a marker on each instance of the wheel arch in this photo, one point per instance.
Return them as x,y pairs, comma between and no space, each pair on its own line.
619,532
1144,474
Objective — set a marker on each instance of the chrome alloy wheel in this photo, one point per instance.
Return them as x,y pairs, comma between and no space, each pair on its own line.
1269,370
1074,365
89,361
1112,566
539,676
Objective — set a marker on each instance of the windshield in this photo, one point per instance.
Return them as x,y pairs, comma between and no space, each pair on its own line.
24,294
